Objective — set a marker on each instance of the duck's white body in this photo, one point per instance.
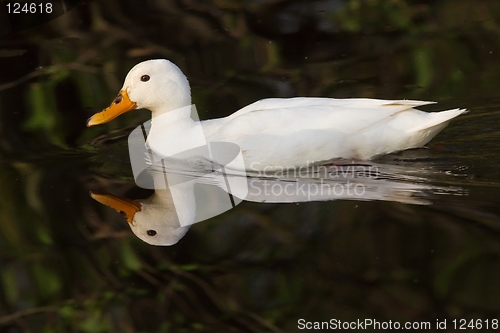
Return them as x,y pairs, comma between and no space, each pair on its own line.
276,133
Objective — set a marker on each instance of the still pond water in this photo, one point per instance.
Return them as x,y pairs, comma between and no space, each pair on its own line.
69,264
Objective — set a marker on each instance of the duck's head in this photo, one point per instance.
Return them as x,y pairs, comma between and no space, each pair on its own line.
152,224
157,85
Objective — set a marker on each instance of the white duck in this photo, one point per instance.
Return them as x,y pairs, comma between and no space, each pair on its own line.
277,132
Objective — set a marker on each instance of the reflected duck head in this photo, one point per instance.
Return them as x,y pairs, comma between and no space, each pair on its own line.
154,224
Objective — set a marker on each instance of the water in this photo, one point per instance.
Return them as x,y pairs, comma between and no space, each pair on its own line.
71,264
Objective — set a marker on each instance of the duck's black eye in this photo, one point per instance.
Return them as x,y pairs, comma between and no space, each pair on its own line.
151,233
145,78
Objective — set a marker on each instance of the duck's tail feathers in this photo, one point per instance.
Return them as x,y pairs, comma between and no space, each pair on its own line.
438,118
409,102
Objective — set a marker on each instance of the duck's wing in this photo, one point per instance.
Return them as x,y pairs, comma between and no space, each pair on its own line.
298,103
287,115
370,110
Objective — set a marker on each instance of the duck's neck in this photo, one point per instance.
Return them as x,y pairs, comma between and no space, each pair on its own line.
177,200
174,108
173,132
170,114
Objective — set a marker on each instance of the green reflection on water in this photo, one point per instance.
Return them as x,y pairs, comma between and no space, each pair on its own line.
69,265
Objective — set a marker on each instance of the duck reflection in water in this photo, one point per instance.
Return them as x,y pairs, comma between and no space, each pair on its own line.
184,196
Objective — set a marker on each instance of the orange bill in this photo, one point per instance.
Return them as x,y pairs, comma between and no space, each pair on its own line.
121,205
120,105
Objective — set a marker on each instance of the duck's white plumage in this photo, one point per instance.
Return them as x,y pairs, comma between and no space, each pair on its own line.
288,132
297,131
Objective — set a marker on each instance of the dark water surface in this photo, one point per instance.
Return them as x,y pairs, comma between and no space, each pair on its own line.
68,264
